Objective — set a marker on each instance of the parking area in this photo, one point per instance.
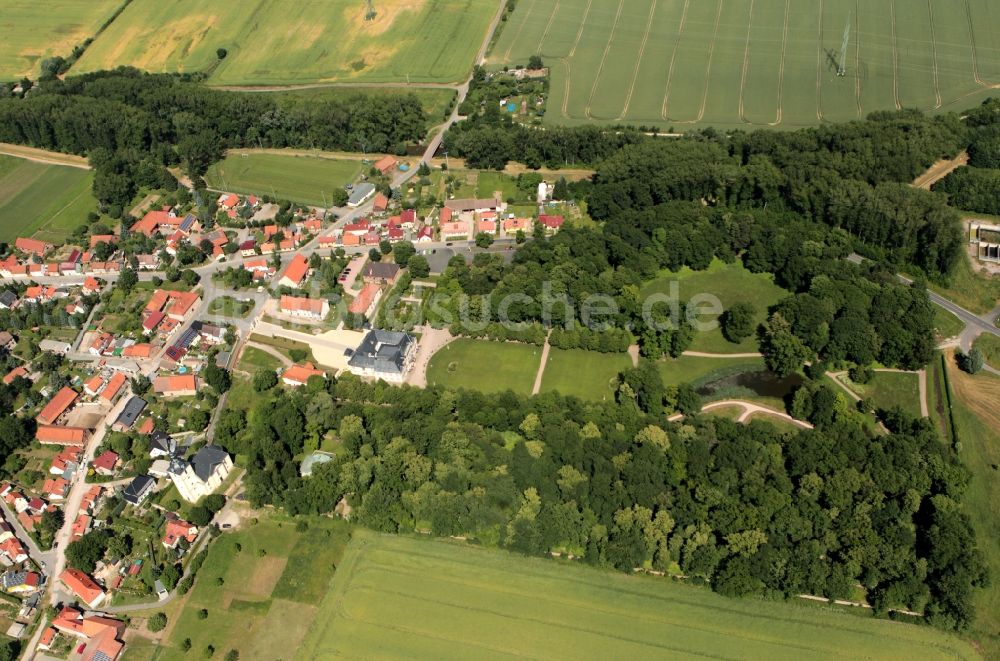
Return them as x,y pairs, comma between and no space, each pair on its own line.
354,266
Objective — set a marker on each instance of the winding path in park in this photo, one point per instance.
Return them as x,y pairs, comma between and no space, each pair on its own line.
749,409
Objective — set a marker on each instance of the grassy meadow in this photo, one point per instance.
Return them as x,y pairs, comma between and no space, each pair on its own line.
399,597
281,42
42,201
729,283
35,30
273,574
674,63
889,389
990,346
485,365
302,179
584,374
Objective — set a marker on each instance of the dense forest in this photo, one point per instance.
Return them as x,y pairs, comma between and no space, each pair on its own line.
742,507
977,187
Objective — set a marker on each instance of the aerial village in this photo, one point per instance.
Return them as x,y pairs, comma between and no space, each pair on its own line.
121,348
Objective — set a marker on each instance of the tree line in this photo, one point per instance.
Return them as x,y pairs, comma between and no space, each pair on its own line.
133,124
850,176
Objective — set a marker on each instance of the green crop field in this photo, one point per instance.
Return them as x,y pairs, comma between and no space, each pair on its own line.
302,179
398,597
732,63
485,365
728,284
42,201
33,30
279,42
584,374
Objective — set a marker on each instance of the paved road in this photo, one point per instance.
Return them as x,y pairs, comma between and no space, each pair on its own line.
974,323
71,508
36,553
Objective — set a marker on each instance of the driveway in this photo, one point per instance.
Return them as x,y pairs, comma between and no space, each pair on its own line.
431,341
328,348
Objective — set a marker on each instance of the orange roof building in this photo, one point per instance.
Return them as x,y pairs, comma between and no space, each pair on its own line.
32,246
178,530
93,385
142,350
454,229
59,404
296,272
175,386
55,488
113,387
91,285
82,586
173,304
385,164
14,373
80,526
150,223
316,308
366,299
298,375
101,633
45,642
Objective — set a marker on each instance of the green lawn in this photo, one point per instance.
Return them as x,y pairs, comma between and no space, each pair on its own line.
584,374
490,182
227,306
946,324
889,389
266,602
283,345
43,201
254,359
410,598
990,346
728,284
286,42
302,179
36,30
485,365
692,369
